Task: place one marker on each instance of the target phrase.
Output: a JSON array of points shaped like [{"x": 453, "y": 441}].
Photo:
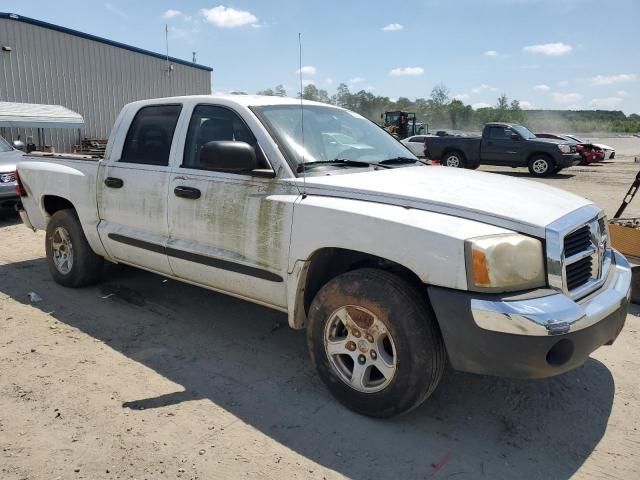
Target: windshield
[
  {"x": 524, "y": 132},
  {"x": 329, "y": 134},
  {"x": 575, "y": 138},
  {"x": 5, "y": 146}
]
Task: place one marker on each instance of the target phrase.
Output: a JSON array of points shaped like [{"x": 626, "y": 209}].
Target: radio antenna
[{"x": 304, "y": 170}]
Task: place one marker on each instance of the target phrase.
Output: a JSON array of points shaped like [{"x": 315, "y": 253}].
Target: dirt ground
[{"x": 142, "y": 377}]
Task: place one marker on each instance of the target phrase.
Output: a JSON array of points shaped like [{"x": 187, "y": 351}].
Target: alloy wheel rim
[
  {"x": 540, "y": 166},
  {"x": 62, "y": 250},
  {"x": 453, "y": 161},
  {"x": 360, "y": 349}
]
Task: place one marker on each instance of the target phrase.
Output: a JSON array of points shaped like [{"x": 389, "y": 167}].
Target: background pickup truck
[
  {"x": 504, "y": 144},
  {"x": 226, "y": 193}
]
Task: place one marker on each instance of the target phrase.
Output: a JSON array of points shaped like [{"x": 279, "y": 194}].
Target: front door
[
  {"x": 500, "y": 147},
  {"x": 229, "y": 231},
  {"x": 132, "y": 191}
]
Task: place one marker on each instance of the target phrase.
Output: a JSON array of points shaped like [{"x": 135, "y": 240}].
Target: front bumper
[
  {"x": 538, "y": 334},
  {"x": 566, "y": 160}
]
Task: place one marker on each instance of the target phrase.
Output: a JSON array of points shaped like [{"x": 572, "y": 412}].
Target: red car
[{"x": 589, "y": 152}]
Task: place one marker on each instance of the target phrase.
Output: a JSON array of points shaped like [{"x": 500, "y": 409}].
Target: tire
[
  {"x": 453, "y": 159},
  {"x": 541, "y": 166},
  {"x": 407, "y": 342},
  {"x": 82, "y": 266},
  {"x": 558, "y": 170}
]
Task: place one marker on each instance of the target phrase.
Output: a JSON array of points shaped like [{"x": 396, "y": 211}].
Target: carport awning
[{"x": 34, "y": 115}]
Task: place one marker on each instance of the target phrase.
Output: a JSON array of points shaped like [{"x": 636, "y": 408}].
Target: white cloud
[
  {"x": 171, "y": 13},
  {"x": 525, "y": 105},
  {"x": 176, "y": 33},
  {"x": 563, "y": 83},
  {"x": 608, "y": 102},
  {"x": 392, "y": 27},
  {"x": 306, "y": 82},
  {"x": 483, "y": 87},
  {"x": 307, "y": 70},
  {"x": 490, "y": 53},
  {"x": 611, "y": 79},
  {"x": 357, "y": 80},
  {"x": 542, "y": 87},
  {"x": 224, "y": 17},
  {"x": 461, "y": 96},
  {"x": 407, "y": 71},
  {"x": 369, "y": 88},
  {"x": 478, "y": 105},
  {"x": 329, "y": 81},
  {"x": 622, "y": 93},
  {"x": 555, "y": 49},
  {"x": 566, "y": 98}
]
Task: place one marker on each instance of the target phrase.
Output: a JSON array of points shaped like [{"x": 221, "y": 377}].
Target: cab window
[
  {"x": 211, "y": 123},
  {"x": 150, "y": 135}
]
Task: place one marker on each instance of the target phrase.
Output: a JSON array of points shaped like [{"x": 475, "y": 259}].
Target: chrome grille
[
  {"x": 577, "y": 256},
  {"x": 7, "y": 177}
]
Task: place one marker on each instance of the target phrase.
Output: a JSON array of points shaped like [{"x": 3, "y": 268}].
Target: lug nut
[
  {"x": 351, "y": 346},
  {"x": 369, "y": 338},
  {"x": 374, "y": 355},
  {"x": 356, "y": 333},
  {"x": 361, "y": 359}
]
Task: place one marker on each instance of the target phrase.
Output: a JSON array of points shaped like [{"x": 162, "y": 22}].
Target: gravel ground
[{"x": 142, "y": 377}]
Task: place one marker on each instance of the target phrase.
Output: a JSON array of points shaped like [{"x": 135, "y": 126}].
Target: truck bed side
[
  {"x": 439, "y": 146},
  {"x": 57, "y": 182}
]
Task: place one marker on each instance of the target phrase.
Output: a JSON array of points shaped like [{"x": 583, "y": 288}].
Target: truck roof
[
  {"x": 244, "y": 100},
  {"x": 500, "y": 124}
]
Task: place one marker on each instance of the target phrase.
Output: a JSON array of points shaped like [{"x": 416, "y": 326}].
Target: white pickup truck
[{"x": 394, "y": 268}]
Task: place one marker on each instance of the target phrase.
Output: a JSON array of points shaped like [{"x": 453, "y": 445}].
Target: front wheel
[
  {"x": 375, "y": 342},
  {"x": 541, "y": 166},
  {"x": 453, "y": 159},
  {"x": 71, "y": 261}
]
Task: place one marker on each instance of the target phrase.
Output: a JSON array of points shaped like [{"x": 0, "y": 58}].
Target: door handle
[
  {"x": 187, "y": 192},
  {"x": 113, "y": 182}
]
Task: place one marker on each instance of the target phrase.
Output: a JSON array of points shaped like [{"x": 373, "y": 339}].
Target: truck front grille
[{"x": 583, "y": 257}]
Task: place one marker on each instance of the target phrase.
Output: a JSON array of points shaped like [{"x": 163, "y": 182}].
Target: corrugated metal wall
[{"x": 92, "y": 78}]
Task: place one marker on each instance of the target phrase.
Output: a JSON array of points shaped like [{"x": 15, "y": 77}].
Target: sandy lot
[{"x": 142, "y": 377}]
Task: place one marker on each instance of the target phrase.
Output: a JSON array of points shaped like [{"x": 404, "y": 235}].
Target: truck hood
[{"x": 499, "y": 200}]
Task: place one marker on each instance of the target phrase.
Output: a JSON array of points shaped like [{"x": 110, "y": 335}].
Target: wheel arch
[
  {"x": 327, "y": 263},
  {"x": 53, "y": 203}
]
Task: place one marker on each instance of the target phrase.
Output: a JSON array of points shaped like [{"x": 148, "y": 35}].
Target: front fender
[{"x": 429, "y": 244}]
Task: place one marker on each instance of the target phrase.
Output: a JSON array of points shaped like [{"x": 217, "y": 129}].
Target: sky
[{"x": 559, "y": 54}]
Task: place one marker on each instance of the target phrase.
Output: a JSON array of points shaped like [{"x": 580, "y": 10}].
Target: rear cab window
[{"x": 150, "y": 135}]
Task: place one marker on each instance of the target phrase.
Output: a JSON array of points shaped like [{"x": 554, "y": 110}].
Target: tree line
[{"x": 441, "y": 111}]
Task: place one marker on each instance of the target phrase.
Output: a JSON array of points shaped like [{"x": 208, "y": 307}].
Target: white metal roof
[{"x": 34, "y": 115}]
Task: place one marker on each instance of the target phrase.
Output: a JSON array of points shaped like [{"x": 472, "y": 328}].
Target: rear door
[
  {"x": 133, "y": 187},
  {"x": 229, "y": 231},
  {"x": 416, "y": 145},
  {"x": 499, "y": 147}
]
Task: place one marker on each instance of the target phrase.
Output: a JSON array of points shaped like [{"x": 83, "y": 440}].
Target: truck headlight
[
  {"x": 504, "y": 263},
  {"x": 564, "y": 148}
]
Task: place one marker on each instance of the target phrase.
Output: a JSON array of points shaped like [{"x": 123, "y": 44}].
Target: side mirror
[
  {"x": 228, "y": 156},
  {"x": 515, "y": 136}
]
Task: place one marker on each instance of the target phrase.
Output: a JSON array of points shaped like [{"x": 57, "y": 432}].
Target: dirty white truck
[{"x": 394, "y": 268}]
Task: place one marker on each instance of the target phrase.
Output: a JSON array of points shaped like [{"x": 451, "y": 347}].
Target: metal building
[{"x": 48, "y": 64}]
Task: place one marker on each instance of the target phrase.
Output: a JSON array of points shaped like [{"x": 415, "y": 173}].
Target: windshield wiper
[
  {"x": 399, "y": 161},
  {"x": 342, "y": 162}
]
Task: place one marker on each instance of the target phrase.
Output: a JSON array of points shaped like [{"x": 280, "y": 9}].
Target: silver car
[
  {"x": 415, "y": 144},
  {"x": 9, "y": 156}
]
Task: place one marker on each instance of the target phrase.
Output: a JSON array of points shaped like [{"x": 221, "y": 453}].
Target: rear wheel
[
  {"x": 454, "y": 159},
  {"x": 71, "y": 261},
  {"x": 375, "y": 342},
  {"x": 541, "y": 166}
]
